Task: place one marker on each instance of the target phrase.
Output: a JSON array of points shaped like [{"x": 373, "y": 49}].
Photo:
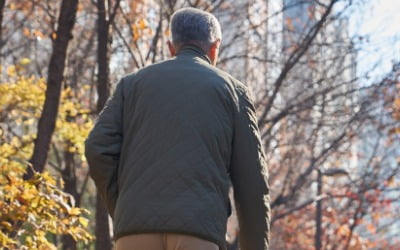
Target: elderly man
[{"x": 169, "y": 142}]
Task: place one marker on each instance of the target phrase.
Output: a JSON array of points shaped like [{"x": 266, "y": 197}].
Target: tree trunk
[
  {"x": 103, "y": 86},
  {"x": 2, "y": 4},
  {"x": 55, "y": 78},
  {"x": 68, "y": 242},
  {"x": 102, "y": 231},
  {"x": 69, "y": 178}
]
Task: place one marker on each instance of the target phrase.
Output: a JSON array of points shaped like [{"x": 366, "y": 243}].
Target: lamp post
[{"x": 333, "y": 172}]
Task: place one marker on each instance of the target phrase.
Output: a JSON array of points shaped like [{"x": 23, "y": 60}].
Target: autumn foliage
[{"x": 33, "y": 210}]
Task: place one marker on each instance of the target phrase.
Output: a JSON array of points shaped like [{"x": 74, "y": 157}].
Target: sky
[{"x": 379, "y": 22}]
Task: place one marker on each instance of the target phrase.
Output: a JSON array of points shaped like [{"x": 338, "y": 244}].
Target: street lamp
[{"x": 333, "y": 172}]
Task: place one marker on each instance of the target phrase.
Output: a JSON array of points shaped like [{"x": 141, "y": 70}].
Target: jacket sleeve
[
  {"x": 249, "y": 174},
  {"x": 103, "y": 147}
]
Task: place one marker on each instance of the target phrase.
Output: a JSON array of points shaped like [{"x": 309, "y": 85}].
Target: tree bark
[
  {"x": 68, "y": 242},
  {"x": 103, "y": 86},
  {"x": 69, "y": 178},
  {"x": 55, "y": 78},
  {"x": 102, "y": 230},
  {"x": 2, "y": 4}
]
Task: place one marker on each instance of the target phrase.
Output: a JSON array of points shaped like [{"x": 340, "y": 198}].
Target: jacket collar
[{"x": 192, "y": 50}]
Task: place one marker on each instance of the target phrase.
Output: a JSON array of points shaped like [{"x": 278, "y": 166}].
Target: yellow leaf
[
  {"x": 24, "y": 61},
  {"x": 11, "y": 70},
  {"x": 65, "y": 221},
  {"x": 7, "y": 225},
  {"x": 61, "y": 183},
  {"x": 135, "y": 33},
  {"x": 74, "y": 211},
  {"x": 29, "y": 194},
  {"x": 72, "y": 149},
  {"x": 48, "y": 178},
  {"x": 84, "y": 222}
]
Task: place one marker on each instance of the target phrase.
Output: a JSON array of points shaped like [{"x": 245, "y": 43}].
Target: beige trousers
[{"x": 163, "y": 241}]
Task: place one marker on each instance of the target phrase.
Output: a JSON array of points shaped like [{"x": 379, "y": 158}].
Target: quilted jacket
[{"x": 167, "y": 145}]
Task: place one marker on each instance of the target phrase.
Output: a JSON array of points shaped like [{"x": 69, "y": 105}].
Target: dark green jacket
[{"x": 165, "y": 147}]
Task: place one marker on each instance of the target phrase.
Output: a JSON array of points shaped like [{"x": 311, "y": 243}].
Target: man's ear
[
  {"x": 171, "y": 48},
  {"x": 214, "y": 51}
]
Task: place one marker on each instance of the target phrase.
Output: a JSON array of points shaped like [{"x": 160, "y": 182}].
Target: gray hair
[{"x": 196, "y": 27}]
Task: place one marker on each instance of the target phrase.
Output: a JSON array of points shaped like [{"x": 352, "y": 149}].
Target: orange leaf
[
  {"x": 289, "y": 24},
  {"x": 371, "y": 228},
  {"x": 142, "y": 24},
  {"x": 343, "y": 230},
  {"x": 38, "y": 33},
  {"x": 376, "y": 216},
  {"x": 26, "y": 32}
]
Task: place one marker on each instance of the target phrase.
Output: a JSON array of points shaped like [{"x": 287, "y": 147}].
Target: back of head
[{"x": 190, "y": 26}]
